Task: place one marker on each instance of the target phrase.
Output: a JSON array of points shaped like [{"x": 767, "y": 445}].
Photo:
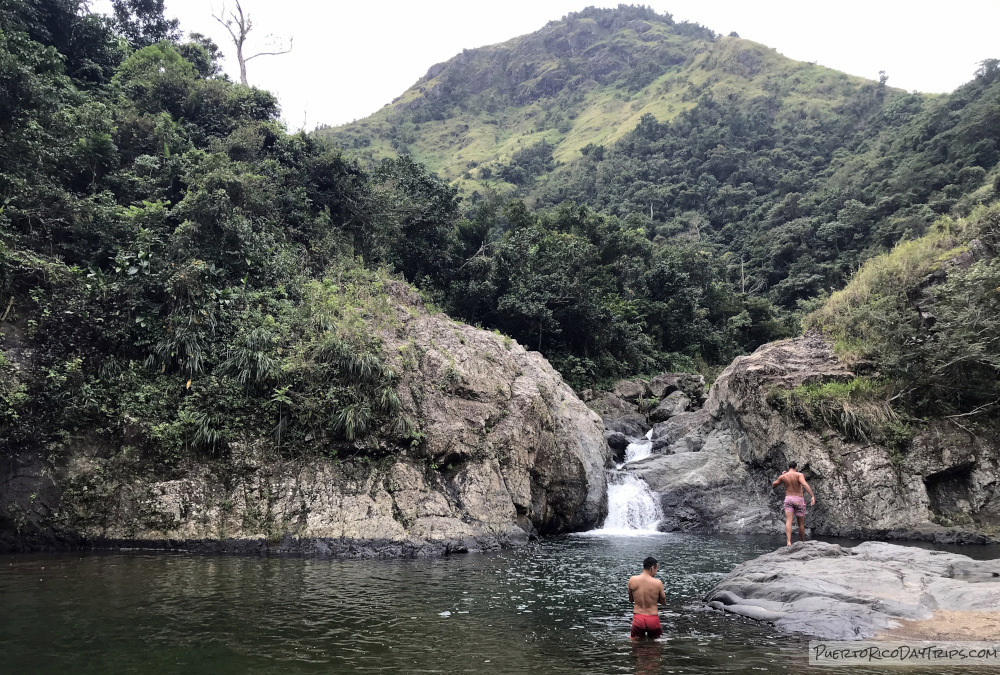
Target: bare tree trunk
[
  {"x": 239, "y": 26},
  {"x": 243, "y": 65}
]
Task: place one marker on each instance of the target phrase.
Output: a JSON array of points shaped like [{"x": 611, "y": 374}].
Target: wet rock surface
[{"x": 832, "y": 592}]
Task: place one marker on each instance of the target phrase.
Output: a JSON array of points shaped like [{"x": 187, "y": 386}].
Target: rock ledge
[{"x": 834, "y": 592}]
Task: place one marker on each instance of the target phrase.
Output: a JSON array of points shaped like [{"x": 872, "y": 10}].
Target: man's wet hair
[
  {"x": 649, "y": 563},
  {"x": 792, "y": 465}
]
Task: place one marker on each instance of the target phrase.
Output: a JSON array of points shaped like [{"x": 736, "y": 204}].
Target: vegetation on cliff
[
  {"x": 920, "y": 328},
  {"x": 179, "y": 274},
  {"x": 925, "y": 319}
]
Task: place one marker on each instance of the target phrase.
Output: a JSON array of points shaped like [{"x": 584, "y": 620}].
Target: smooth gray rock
[
  {"x": 630, "y": 390},
  {"x": 674, "y": 404},
  {"x": 832, "y": 592}
]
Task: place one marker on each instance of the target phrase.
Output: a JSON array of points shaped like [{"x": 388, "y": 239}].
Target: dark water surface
[{"x": 558, "y": 606}]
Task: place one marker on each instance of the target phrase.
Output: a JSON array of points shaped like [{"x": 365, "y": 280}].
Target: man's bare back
[
  {"x": 793, "y": 481},
  {"x": 645, "y": 592}
]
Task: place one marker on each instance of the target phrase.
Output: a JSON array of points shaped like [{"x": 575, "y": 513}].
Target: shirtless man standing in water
[
  {"x": 645, "y": 591},
  {"x": 795, "y": 503}
]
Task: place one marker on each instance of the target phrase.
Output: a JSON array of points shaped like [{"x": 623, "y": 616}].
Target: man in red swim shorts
[
  {"x": 645, "y": 592},
  {"x": 795, "y": 503}
]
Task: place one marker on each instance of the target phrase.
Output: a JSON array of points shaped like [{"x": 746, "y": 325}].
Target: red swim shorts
[{"x": 646, "y": 625}]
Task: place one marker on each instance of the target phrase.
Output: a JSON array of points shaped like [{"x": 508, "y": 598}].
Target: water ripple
[{"x": 559, "y": 606}]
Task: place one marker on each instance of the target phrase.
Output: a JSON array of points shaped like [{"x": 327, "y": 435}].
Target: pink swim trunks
[{"x": 795, "y": 504}]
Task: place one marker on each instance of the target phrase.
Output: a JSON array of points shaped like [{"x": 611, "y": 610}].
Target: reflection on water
[{"x": 557, "y": 606}]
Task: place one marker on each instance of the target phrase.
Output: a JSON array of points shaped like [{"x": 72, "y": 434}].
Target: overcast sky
[{"x": 351, "y": 57}]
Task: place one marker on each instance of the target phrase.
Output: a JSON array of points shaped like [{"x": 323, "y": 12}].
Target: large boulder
[
  {"x": 508, "y": 451},
  {"x": 692, "y": 384},
  {"x": 630, "y": 390},
  {"x": 634, "y": 427},
  {"x": 674, "y": 404},
  {"x": 832, "y": 592},
  {"x": 681, "y": 433},
  {"x": 619, "y": 415}
]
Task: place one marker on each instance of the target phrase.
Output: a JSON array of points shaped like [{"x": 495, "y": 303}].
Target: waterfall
[
  {"x": 632, "y": 506},
  {"x": 637, "y": 450},
  {"x": 633, "y": 509}
]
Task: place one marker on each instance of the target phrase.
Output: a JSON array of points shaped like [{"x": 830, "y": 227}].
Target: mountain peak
[{"x": 583, "y": 80}]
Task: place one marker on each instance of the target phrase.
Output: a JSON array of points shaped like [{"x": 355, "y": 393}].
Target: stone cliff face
[
  {"x": 944, "y": 487},
  {"x": 508, "y": 451}
]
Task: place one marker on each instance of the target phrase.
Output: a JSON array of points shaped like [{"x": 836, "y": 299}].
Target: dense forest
[
  {"x": 179, "y": 273},
  {"x": 692, "y": 195}
]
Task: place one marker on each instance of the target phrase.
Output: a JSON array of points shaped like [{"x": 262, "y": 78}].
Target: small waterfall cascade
[
  {"x": 637, "y": 450},
  {"x": 632, "y": 507}
]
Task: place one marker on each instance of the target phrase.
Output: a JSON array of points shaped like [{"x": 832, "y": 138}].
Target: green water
[{"x": 558, "y": 606}]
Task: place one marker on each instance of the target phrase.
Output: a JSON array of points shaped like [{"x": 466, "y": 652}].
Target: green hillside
[
  {"x": 587, "y": 79},
  {"x": 180, "y": 274},
  {"x": 787, "y": 175}
]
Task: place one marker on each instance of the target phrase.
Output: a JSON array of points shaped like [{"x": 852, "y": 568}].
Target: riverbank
[{"x": 873, "y": 590}]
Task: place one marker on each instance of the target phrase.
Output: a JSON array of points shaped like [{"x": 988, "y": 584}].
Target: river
[{"x": 556, "y": 606}]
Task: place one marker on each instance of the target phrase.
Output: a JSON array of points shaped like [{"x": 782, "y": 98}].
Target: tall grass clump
[{"x": 858, "y": 409}]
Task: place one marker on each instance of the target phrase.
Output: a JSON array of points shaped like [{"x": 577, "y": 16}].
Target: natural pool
[{"x": 557, "y": 606}]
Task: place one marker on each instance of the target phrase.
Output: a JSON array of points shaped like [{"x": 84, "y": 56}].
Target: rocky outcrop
[
  {"x": 674, "y": 404},
  {"x": 945, "y": 487},
  {"x": 619, "y": 415},
  {"x": 508, "y": 451},
  {"x": 633, "y": 406},
  {"x": 863, "y": 488},
  {"x": 630, "y": 390},
  {"x": 833, "y": 592},
  {"x": 680, "y": 433},
  {"x": 692, "y": 385}
]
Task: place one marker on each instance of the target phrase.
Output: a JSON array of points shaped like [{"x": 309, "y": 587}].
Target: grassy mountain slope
[
  {"x": 584, "y": 80},
  {"x": 792, "y": 173}
]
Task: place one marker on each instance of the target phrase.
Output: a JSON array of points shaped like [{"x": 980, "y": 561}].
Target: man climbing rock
[
  {"x": 645, "y": 592},
  {"x": 795, "y": 503}
]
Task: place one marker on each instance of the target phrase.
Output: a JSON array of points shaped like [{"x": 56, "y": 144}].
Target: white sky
[{"x": 351, "y": 57}]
